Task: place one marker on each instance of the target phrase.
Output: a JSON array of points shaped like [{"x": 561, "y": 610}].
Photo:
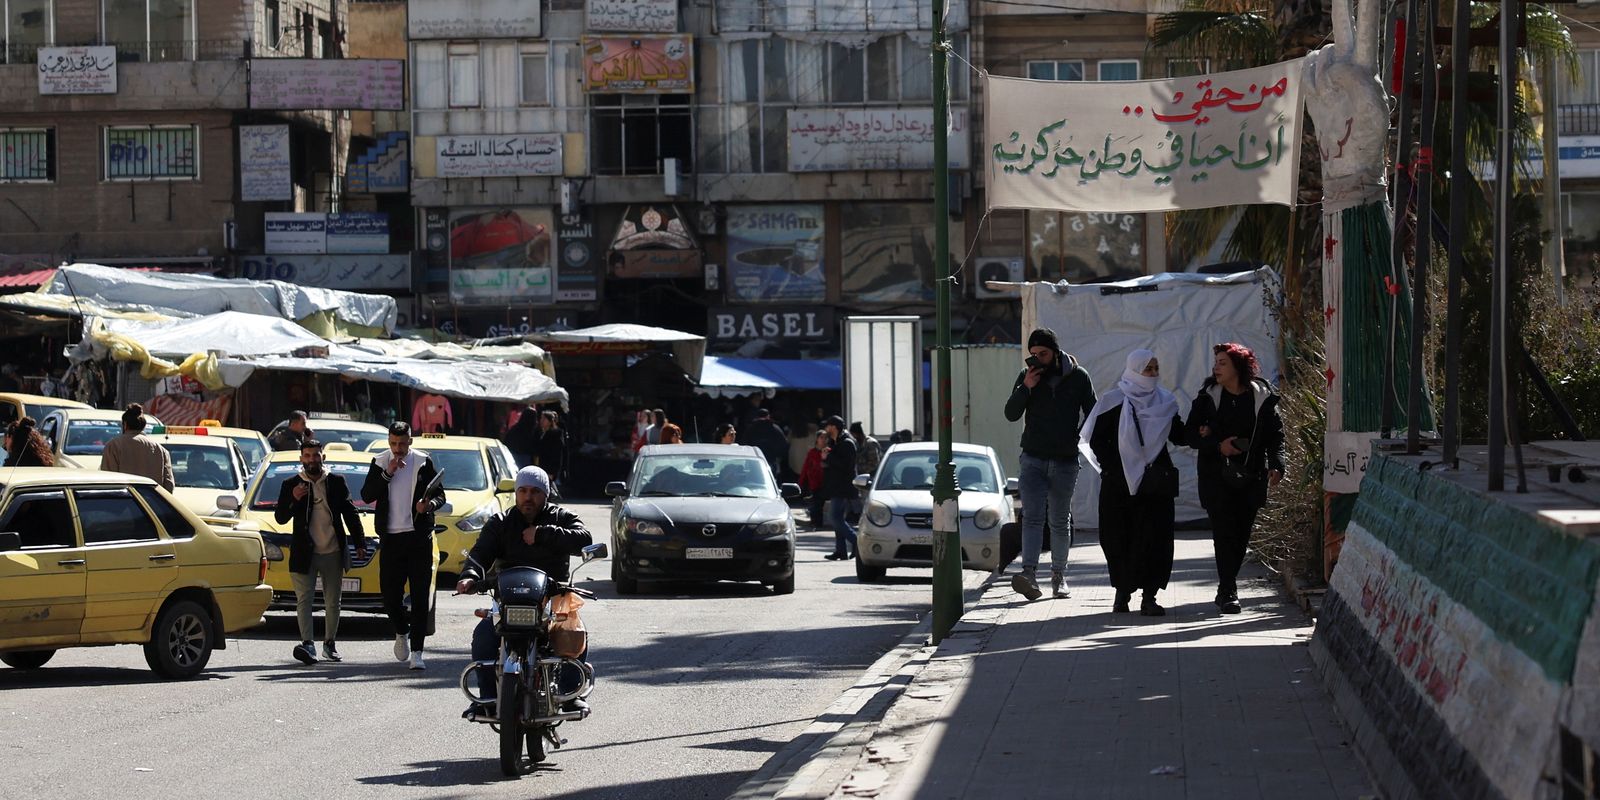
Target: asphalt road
[{"x": 697, "y": 687}]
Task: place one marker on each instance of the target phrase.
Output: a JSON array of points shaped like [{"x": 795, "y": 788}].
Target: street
[{"x": 696, "y": 687}]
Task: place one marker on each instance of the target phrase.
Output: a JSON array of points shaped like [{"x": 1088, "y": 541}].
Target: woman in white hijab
[{"x": 1125, "y": 439}]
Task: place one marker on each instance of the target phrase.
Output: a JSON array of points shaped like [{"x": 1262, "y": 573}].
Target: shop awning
[
  {"x": 687, "y": 348},
  {"x": 731, "y": 377}
]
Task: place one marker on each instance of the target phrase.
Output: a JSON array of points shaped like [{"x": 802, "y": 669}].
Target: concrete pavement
[{"x": 1064, "y": 699}]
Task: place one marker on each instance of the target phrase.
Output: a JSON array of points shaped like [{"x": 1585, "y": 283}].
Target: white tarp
[
  {"x": 471, "y": 380},
  {"x": 687, "y": 348},
  {"x": 1179, "y": 316},
  {"x": 231, "y": 333},
  {"x": 1231, "y": 138},
  {"x": 519, "y": 353},
  {"x": 182, "y": 295}
]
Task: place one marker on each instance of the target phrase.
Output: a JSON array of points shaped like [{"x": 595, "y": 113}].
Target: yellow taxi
[
  {"x": 95, "y": 558},
  {"x": 78, "y": 436},
  {"x": 479, "y": 477},
  {"x": 15, "y": 406},
  {"x": 252, "y": 443},
  {"x": 208, "y": 472},
  {"x": 360, "y": 588}
]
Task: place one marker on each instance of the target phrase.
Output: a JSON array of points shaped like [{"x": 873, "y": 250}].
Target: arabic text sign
[
  {"x": 289, "y": 232},
  {"x": 358, "y": 232},
  {"x": 639, "y": 64},
  {"x": 361, "y": 272},
  {"x": 1198, "y": 142},
  {"x": 496, "y": 156},
  {"x": 775, "y": 252},
  {"x": 506, "y": 285},
  {"x": 659, "y": 16},
  {"x": 328, "y": 83},
  {"x": 264, "y": 163},
  {"x": 473, "y": 19},
  {"x": 78, "y": 70},
  {"x": 833, "y": 139}
]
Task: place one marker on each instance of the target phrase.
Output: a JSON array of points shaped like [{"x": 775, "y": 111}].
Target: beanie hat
[
  {"x": 533, "y": 477},
  {"x": 1043, "y": 337}
]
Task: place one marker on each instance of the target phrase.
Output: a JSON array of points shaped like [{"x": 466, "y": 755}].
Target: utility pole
[{"x": 946, "y": 516}]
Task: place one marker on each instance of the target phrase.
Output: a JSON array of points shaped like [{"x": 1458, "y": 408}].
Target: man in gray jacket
[{"x": 137, "y": 454}]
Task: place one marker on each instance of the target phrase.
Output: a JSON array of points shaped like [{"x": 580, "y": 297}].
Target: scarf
[{"x": 1143, "y": 403}]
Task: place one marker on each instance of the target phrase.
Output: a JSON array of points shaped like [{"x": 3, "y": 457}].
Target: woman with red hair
[
  {"x": 25, "y": 446},
  {"x": 1235, "y": 427}
]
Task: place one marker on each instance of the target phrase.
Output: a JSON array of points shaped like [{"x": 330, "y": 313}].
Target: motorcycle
[{"x": 527, "y": 672}]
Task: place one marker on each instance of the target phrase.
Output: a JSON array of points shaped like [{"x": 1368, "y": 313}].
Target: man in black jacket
[
  {"x": 404, "y": 484},
  {"x": 319, "y": 503},
  {"x": 1055, "y": 394},
  {"x": 765, "y": 435},
  {"x": 838, "y": 485},
  {"x": 535, "y": 533}
]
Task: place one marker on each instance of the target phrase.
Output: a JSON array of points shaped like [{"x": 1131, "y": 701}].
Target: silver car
[{"x": 897, "y": 524}]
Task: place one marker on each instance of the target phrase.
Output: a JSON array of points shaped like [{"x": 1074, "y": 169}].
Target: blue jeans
[
  {"x": 844, "y": 534},
  {"x": 1047, "y": 485},
  {"x": 486, "y": 647}
]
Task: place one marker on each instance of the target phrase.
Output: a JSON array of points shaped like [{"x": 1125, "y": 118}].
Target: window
[
  {"x": 324, "y": 39},
  {"x": 633, "y": 133},
  {"x": 1055, "y": 70},
  {"x": 28, "y": 24},
  {"x": 43, "y": 519},
  {"x": 112, "y": 515},
  {"x": 1586, "y": 88},
  {"x": 27, "y": 154},
  {"x": 177, "y": 525},
  {"x": 1121, "y": 70},
  {"x": 463, "y": 76},
  {"x": 1085, "y": 247},
  {"x": 150, "y": 30},
  {"x": 1186, "y": 67},
  {"x": 273, "y": 22},
  {"x": 535, "y": 88},
  {"x": 203, "y": 467},
  {"x": 152, "y": 152}
]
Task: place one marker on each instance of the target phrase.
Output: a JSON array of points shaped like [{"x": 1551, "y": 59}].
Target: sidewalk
[{"x": 1062, "y": 698}]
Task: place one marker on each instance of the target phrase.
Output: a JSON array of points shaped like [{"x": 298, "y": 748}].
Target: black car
[{"x": 707, "y": 512}]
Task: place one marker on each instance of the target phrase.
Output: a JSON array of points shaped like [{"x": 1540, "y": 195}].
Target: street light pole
[{"x": 946, "y": 516}]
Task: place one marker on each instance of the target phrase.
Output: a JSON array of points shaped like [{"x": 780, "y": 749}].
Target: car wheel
[
  {"x": 26, "y": 659},
  {"x": 625, "y": 584},
  {"x": 181, "y": 641},
  {"x": 785, "y": 586},
  {"x": 867, "y": 574}
]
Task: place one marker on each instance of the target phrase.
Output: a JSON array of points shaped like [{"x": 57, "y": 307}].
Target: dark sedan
[{"x": 707, "y": 512}]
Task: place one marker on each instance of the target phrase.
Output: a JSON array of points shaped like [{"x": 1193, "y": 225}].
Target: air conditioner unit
[{"x": 995, "y": 269}]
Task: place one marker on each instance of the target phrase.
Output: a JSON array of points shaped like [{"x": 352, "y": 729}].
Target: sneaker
[
  {"x": 1024, "y": 585},
  {"x": 416, "y": 660},
  {"x": 402, "y": 647},
  {"x": 1058, "y": 585},
  {"x": 1230, "y": 607},
  {"x": 330, "y": 653},
  {"x": 304, "y": 654}
]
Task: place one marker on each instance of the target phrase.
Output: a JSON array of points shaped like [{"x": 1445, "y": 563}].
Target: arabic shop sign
[
  {"x": 473, "y": 19},
  {"x": 365, "y": 273},
  {"x": 317, "y": 233},
  {"x": 1231, "y": 138},
  {"x": 289, "y": 232},
  {"x": 328, "y": 83},
  {"x": 775, "y": 253},
  {"x": 659, "y": 16},
  {"x": 639, "y": 64},
  {"x": 503, "y": 256},
  {"x": 498, "y": 156},
  {"x": 835, "y": 139},
  {"x": 78, "y": 70},
  {"x": 264, "y": 163}
]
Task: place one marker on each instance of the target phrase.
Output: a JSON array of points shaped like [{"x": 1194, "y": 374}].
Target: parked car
[
  {"x": 96, "y": 558},
  {"x": 701, "y": 512},
  {"x": 15, "y": 406},
  {"x": 208, "y": 472},
  {"x": 78, "y": 436},
  {"x": 897, "y": 520}
]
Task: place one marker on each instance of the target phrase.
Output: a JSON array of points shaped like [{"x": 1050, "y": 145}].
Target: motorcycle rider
[{"x": 534, "y": 533}]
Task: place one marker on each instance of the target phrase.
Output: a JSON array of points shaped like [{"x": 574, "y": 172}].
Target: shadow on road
[{"x": 463, "y": 773}]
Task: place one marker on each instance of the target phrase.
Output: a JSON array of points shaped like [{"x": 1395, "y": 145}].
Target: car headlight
[
  {"x": 274, "y": 552},
  {"x": 879, "y": 514},
  {"x": 478, "y": 518},
  {"x": 644, "y": 527},
  {"x": 773, "y": 527},
  {"x": 986, "y": 518}
]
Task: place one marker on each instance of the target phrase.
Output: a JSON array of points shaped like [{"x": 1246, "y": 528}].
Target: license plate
[
  {"x": 923, "y": 539},
  {"x": 345, "y": 585},
  {"x": 708, "y": 552}
]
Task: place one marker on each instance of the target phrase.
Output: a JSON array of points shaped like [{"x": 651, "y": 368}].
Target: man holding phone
[
  {"x": 404, "y": 485},
  {"x": 1054, "y": 393}
]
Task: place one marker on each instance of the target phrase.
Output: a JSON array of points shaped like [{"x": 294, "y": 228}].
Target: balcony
[
  {"x": 1578, "y": 120},
  {"x": 151, "y": 76}
]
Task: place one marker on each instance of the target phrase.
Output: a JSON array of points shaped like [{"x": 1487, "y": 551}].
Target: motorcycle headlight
[
  {"x": 773, "y": 528},
  {"x": 519, "y": 616},
  {"x": 644, "y": 527},
  {"x": 986, "y": 518},
  {"x": 274, "y": 552},
  {"x": 879, "y": 514},
  {"x": 478, "y": 518}
]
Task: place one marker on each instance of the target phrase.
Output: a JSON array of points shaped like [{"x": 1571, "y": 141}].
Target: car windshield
[
  {"x": 463, "y": 469},
  {"x": 914, "y": 470},
  {"x": 201, "y": 466},
  {"x": 254, "y": 451},
  {"x": 358, "y": 440},
  {"x": 270, "y": 482},
  {"x": 702, "y": 476},
  {"x": 88, "y": 437}
]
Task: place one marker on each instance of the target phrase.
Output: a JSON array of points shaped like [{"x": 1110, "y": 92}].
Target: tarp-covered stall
[{"x": 688, "y": 350}]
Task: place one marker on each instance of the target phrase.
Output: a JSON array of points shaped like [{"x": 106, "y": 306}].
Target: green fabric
[{"x": 1367, "y": 310}]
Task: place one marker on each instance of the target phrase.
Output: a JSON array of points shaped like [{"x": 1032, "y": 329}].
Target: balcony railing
[
  {"x": 144, "y": 51},
  {"x": 1578, "y": 120}
]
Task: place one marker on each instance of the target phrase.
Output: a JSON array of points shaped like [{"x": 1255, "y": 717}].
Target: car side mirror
[
  {"x": 227, "y": 502},
  {"x": 863, "y": 481},
  {"x": 616, "y": 489},
  {"x": 1013, "y": 486},
  {"x": 789, "y": 490},
  {"x": 506, "y": 486},
  {"x": 595, "y": 551},
  {"x": 10, "y": 541}
]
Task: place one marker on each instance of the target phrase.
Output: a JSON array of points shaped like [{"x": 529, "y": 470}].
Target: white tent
[
  {"x": 471, "y": 380},
  {"x": 688, "y": 349},
  {"x": 230, "y": 333},
  {"x": 1179, "y": 316}
]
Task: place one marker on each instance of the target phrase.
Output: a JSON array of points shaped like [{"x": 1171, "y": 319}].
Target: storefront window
[
  {"x": 1085, "y": 247},
  {"x": 886, "y": 252}
]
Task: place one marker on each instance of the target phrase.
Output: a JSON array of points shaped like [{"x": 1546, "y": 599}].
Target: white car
[{"x": 897, "y": 525}]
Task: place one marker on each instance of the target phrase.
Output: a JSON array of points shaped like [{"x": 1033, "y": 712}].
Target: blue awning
[{"x": 730, "y": 377}]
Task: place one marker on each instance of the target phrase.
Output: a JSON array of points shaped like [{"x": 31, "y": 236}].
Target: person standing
[
  {"x": 1126, "y": 439},
  {"x": 671, "y": 434},
  {"x": 522, "y": 438},
  {"x": 552, "y": 449},
  {"x": 838, "y": 485},
  {"x": 811, "y": 479},
  {"x": 1235, "y": 427},
  {"x": 725, "y": 434},
  {"x": 25, "y": 446},
  {"x": 137, "y": 454},
  {"x": 1051, "y": 392},
  {"x": 290, "y": 433},
  {"x": 324, "y": 521},
  {"x": 765, "y": 435},
  {"x": 869, "y": 453},
  {"x": 403, "y": 484}
]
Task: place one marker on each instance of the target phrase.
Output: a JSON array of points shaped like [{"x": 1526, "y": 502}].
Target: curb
[{"x": 814, "y": 764}]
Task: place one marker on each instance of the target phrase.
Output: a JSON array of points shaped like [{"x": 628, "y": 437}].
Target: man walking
[
  {"x": 290, "y": 434},
  {"x": 765, "y": 435},
  {"x": 552, "y": 450},
  {"x": 838, "y": 482},
  {"x": 522, "y": 438},
  {"x": 404, "y": 484},
  {"x": 319, "y": 503},
  {"x": 137, "y": 454},
  {"x": 1054, "y": 392},
  {"x": 868, "y": 455}
]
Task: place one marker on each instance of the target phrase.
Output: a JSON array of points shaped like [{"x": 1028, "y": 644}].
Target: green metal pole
[{"x": 946, "y": 536}]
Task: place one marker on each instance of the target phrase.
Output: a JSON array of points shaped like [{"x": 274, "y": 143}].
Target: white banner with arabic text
[{"x": 1230, "y": 138}]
